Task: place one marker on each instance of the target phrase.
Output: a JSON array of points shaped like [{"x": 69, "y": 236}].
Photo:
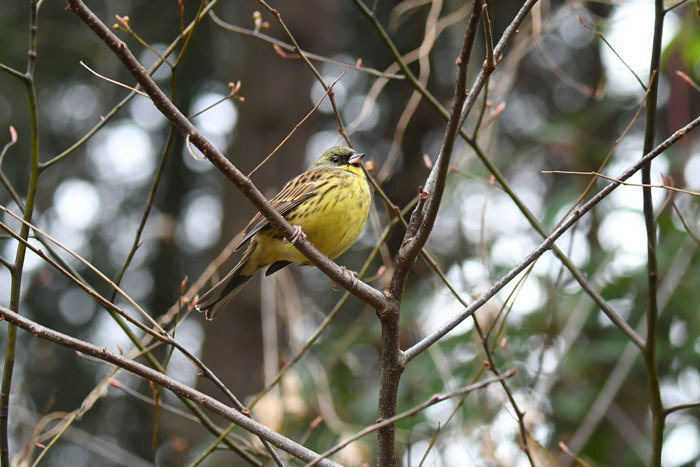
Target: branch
[
  {"x": 486, "y": 71},
  {"x": 366, "y": 293},
  {"x": 286, "y": 138},
  {"x": 290, "y": 48},
  {"x": 429, "y": 340},
  {"x": 16, "y": 283},
  {"x": 658, "y": 418},
  {"x": 419, "y": 228},
  {"x": 317, "y": 74},
  {"x": 423, "y": 220},
  {"x": 478, "y": 85},
  {"x": 675, "y": 408},
  {"x": 178, "y": 388},
  {"x": 412, "y": 413},
  {"x": 642, "y": 185}
]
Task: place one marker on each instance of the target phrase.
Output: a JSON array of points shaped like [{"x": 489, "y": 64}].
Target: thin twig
[
  {"x": 687, "y": 228},
  {"x": 9, "y": 144},
  {"x": 677, "y": 4},
  {"x": 150, "y": 401},
  {"x": 99, "y": 273},
  {"x": 410, "y": 57},
  {"x": 12, "y": 72},
  {"x": 619, "y": 139},
  {"x": 232, "y": 93},
  {"x": 123, "y": 23},
  {"x": 490, "y": 60},
  {"x": 300, "y": 52},
  {"x": 676, "y": 408},
  {"x": 688, "y": 80},
  {"x": 424, "y": 73},
  {"x": 109, "y": 80},
  {"x": 290, "y": 48},
  {"x": 147, "y": 209},
  {"x": 318, "y": 104},
  {"x": 604, "y": 39},
  {"x": 607, "y": 177},
  {"x": 106, "y": 118},
  {"x": 400, "y": 9}
]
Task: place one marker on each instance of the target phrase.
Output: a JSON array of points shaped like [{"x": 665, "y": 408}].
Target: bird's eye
[{"x": 335, "y": 159}]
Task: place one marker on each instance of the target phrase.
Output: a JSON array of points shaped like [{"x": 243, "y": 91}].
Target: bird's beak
[{"x": 356, "y": 158}]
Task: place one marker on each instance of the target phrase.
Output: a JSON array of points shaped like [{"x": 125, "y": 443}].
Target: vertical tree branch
[
  {"x": 655, "y": 402},
  {"x": 419, "y": 228},
  {"x": 8, "y": 368}
]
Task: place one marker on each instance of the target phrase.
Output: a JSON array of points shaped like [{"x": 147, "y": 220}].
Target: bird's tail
[{"x": 216, "y": 298}]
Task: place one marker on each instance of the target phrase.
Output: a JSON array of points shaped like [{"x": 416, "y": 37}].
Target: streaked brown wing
[{"x": 295, "y": 192}]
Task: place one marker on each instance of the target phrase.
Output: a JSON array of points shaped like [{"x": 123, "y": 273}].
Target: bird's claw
[{"x": 298, "y": 233}]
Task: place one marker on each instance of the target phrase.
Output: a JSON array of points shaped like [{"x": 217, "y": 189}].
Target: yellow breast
[{"x": 332, "y": 219}]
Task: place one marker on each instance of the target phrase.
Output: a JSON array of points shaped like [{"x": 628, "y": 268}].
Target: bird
[{"x": 328, "y": 204}]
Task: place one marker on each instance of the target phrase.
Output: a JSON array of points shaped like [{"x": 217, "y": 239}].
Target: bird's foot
[{"x": 298, "y": 233}]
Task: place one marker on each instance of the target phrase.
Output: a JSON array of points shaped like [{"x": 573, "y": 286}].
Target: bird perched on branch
[{"x": 328, "y": 204}]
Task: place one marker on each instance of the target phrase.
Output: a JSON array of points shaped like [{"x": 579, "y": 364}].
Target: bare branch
[
  {"x": 605, "y": 40},
  {"x": 412, "y": 413},
  {"x": 676, "y": 408},
  {"x": 427, "y": 341},
  {"x": 290, "y": 48},
  {"x": 145, "y": 372},
  {"x": 607, "y": 177},
  {"x": 115, "y": 82}
]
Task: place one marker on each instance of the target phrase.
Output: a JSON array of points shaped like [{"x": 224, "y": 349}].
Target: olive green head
[{"x": 339, "y": 156}]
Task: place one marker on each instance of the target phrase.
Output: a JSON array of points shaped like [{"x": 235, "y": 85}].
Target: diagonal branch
[
  {"x": 365, "y": 292},
  {"x": 175, "y": 386},
  {"x": 429, "y": 340}
]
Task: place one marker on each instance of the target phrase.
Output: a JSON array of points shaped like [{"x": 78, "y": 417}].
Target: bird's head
[{"x": 340, "y": 157}]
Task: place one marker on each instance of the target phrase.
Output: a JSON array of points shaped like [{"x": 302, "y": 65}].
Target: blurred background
[{"x": 558, "y": 101}]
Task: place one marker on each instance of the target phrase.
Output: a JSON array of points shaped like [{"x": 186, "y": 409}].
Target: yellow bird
[{"x": 328, "y": 204}]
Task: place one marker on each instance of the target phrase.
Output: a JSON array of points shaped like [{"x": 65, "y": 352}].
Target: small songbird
[{"x": 328, "y": 204}]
